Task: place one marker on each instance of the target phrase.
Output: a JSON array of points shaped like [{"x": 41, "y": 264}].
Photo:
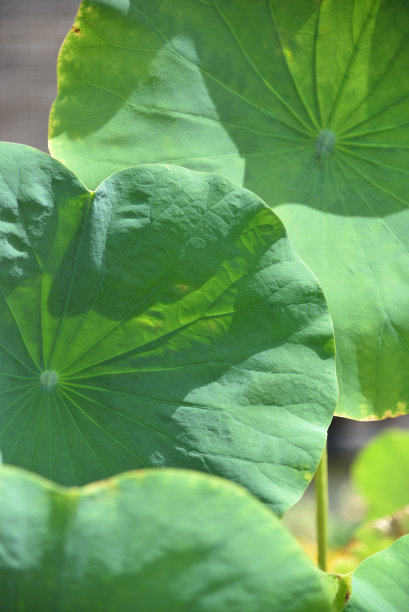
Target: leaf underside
[
  {"x": 163, "y": 320},
  {"x": 304, "y": 102}
]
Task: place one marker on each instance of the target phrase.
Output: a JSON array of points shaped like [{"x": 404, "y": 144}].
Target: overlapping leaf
[
  {"x": 304, "y": 102},
  {"x": 381, "y": 582},
  {"x": 163, "y": 320},
  {"x": 162, "y": 540}
]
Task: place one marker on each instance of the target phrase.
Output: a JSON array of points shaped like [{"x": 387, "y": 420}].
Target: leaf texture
[
  {"x": 162, "y": 320},
  {"x": 306, "y": 103}
]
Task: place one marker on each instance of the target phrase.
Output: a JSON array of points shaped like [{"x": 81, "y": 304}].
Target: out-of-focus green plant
[{"x": 381, "y": 473}]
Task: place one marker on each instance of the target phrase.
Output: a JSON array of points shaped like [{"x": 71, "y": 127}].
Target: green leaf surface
[
  {"x": 163, "y": 320},
  {"x": 381, "y": 583},
  {"x": 381, "y": 473},
  {"x": 306, "y": 103},
  {"x": 152, "y": 541}
]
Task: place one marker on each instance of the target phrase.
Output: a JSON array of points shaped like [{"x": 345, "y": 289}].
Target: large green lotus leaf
[
  {"x": 381, "y": 583},
  {"x": 305, "y": 102},
  {"x": 381, "y": 473},
  {"x": 163, "y": 320},
  {"x": 152, "y": 541}
]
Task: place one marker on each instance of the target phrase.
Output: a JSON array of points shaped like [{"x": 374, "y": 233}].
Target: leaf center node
[
  {"x": 325, "y": 143},
  {"x": 49, "y": 378}
]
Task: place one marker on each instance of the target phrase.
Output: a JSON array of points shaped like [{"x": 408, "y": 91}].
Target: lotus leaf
[
  {"x": 162, "y": 320},
  {"x": 380, "y": 583},
  {"x": 304, "y": 102},
  {"x": 153, "y": 540}
]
